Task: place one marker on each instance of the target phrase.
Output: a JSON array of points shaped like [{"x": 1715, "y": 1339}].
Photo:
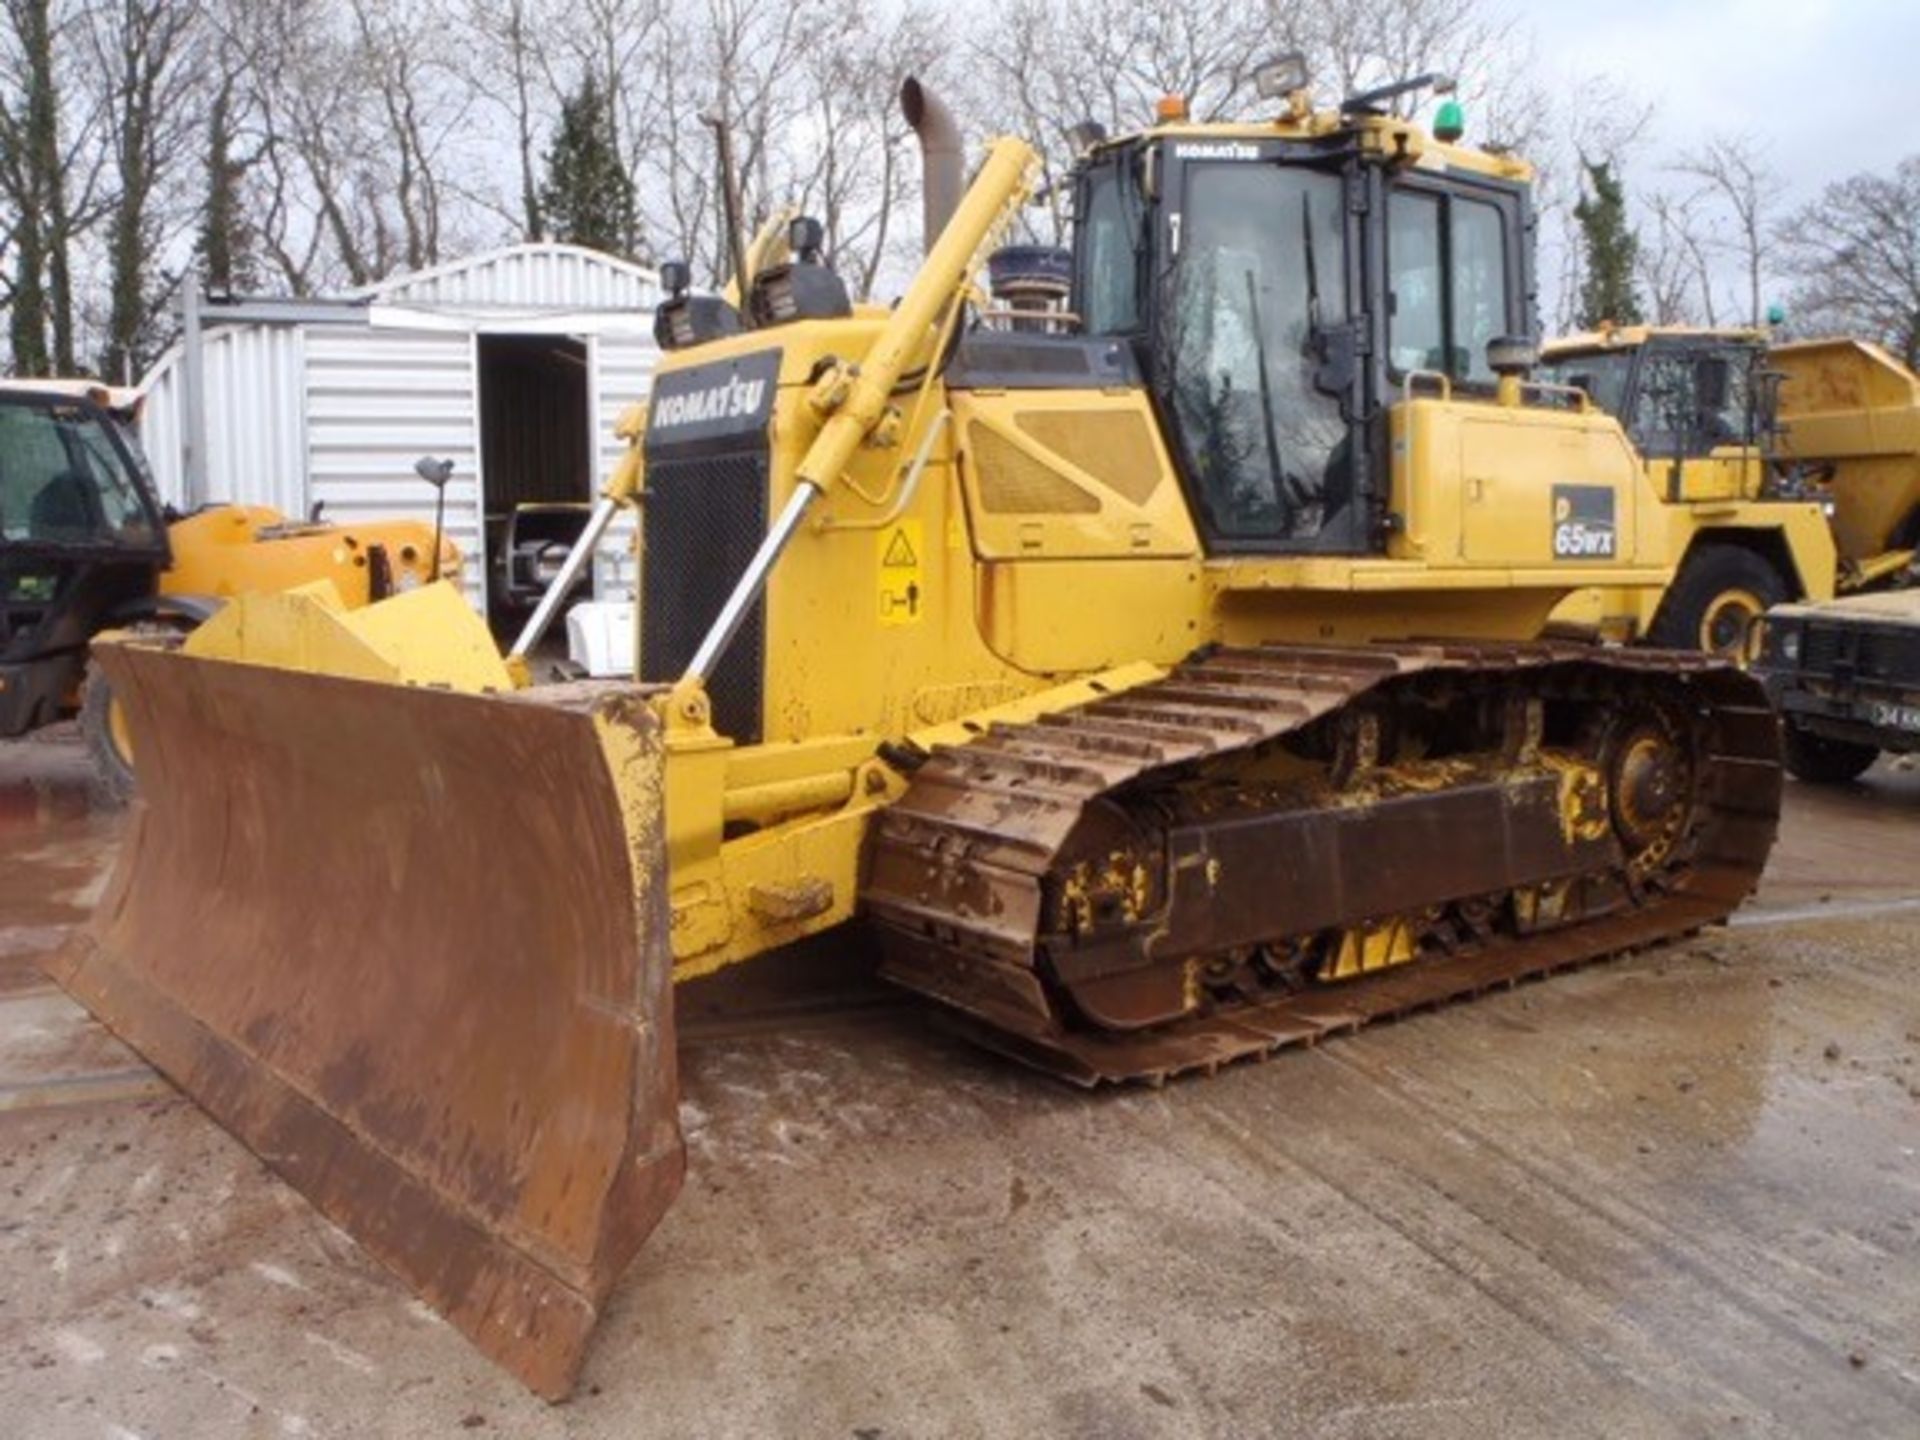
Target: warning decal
[{"x": 901, "y": 595}]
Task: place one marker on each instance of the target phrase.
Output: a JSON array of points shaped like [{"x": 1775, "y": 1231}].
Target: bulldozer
[
  {"x": 87, "y": 546},
  {"x": 1156, "y": 677},
  {"x": 1740, "y": 433}
]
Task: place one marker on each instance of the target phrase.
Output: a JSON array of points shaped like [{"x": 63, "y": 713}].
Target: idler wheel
[{"x": 1649, "y": 785}]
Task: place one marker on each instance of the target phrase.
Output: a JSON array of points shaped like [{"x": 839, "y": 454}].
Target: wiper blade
[
  {"x": 1275, "y": 475},
  {"x": 1313, "y": 268}
]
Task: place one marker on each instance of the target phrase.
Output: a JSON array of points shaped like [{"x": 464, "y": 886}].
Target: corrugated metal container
[
  {"x": 337, "y": 413},
  {"x": 372, "y": 410},
  {"x": 256, "y": 437}
]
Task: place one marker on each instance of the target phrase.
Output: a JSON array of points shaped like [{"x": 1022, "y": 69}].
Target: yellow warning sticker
[{"x": 902, "y": 597}]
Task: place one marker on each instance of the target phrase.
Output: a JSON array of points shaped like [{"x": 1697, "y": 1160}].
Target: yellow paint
[
  {"x": 227, "y": 550},
  {"x": 1372, "y": 947},
  {"x": 1046, "y": 557},
  {"x": 428, "y": 636}
]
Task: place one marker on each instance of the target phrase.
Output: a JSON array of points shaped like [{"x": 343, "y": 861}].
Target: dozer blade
[{"x": 411, "y": 947}]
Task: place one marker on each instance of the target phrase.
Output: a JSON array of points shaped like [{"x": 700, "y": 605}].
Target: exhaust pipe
[{"x": 940, "y": 157}]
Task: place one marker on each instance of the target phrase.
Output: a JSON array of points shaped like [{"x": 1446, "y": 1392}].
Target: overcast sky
[{"x": 1830, "y": 85}]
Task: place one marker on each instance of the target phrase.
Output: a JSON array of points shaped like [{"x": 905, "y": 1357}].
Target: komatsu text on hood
[{"x": 726, "y": 398}]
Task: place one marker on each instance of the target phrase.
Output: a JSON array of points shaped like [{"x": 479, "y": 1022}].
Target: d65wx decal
[{"x": 1583, "y": 526}]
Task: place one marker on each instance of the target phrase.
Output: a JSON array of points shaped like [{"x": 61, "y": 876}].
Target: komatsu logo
[
  {"x": 1583, "y": 527},
  {"x": 1217, "y": 150},
  {"x": 728, "y": 400}
]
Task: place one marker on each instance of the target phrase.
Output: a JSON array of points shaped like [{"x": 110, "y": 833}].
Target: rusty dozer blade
[{"x": 410, "y": 946}]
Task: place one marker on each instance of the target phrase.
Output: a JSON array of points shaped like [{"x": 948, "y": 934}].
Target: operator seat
[{"x": 65, "y": 509}]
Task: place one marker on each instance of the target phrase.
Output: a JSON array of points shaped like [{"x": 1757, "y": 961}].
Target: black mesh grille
[
  {"x": 1889, "y": 653},
  {"x": 704, "y": 519},
  {"x": 1819, "y": 648}
]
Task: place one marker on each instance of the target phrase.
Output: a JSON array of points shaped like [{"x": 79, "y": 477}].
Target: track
[{"x": 975, "y": 875}]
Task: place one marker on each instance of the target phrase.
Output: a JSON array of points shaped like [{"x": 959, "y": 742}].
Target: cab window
[
  {"x": 1672, "y": 415},
  {"x": 1447, "y": 277},
  {"x": 1110, "y": 250},
  {"x": 1261, "y": 271},
  {"x": 64, "y": 482}
]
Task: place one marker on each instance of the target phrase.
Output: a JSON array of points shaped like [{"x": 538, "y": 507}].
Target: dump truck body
[
  {"x": 1850, "y": 413},
  {"x": 1061, "y": 654}
]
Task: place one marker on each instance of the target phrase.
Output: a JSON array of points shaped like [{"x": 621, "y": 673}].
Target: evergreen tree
[
  {"x": 1612, "y": 250},
  {"x": 225, "y": 243},
  {"x": 588, "y": 195}
]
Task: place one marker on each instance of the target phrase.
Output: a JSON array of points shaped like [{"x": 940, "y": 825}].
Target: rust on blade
[{"x": 410, "y": 946}]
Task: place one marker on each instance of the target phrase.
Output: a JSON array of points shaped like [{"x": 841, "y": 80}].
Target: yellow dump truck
[
  {"x": 1156, "y": 679},
  {"x": 1738, "y": 434}
]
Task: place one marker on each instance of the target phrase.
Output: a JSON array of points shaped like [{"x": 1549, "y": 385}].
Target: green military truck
[{"x": 1846, "y": 676}]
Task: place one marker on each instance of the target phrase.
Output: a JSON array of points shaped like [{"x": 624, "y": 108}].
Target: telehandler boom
[{"x": 1157, "y": 679}]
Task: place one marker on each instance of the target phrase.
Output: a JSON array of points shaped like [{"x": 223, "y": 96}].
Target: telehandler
[
  {"x": 1157, "y": 682},
  {"x": 86, "y": 545}
]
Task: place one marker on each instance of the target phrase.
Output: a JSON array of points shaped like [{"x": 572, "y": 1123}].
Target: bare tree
[
  {"x": 38, "y": 187},
  {"x": 1854, "y": 258},
  {"x": 508, "y": 66},
  {"x": 1734, "y": 171},
  {"x": 1676, "y": 272},
  {"x": 145, "y": 54},
  {"x": 1040, "y": 67},
  {"x": 861, "y": 184}
]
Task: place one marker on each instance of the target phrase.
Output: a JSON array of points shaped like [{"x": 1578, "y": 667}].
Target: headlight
[
  {"x": 546, "y": 568},
  {"x": 1790, "y": 645}
]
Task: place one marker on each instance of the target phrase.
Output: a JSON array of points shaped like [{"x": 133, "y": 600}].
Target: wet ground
[{"x": 1675, "y": 1195}]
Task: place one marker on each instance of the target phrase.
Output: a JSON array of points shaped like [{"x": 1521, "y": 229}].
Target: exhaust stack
[{"x": 940, "y": 157}]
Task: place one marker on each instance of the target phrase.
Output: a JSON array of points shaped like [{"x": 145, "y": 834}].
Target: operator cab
[
  {"x": 1678, "y": 394},
  {"x": 81, "y": 535},
  {"x": 1281, "y": 284}
]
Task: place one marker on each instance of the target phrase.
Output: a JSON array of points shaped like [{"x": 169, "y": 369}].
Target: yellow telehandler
[
  {"x": 1154, "y": 674},
  {"x": 87, "y": 545}
]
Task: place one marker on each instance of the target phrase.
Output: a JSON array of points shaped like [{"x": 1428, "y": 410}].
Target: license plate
[{"x": 1895, "y": 717}]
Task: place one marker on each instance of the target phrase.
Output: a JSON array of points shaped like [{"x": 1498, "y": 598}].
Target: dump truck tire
[
  {"x": 410, "y": 946},
  {"x": 1822, "y": 760},
  {"x": 1720, "y": 591}
]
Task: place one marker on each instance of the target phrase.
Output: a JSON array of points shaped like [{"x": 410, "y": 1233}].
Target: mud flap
[{"x": 410, "y": 946}]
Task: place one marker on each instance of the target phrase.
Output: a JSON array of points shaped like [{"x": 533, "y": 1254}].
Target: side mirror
[{"x": 435, "y": 472}]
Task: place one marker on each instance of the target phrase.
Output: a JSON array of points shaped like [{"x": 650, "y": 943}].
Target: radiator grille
[
  {"x": 704, "y": 519},
  {"x": 1012, "y": 482},
  {"x": 1890, "y": 654},
  {"x": 1115, "y": 446}
]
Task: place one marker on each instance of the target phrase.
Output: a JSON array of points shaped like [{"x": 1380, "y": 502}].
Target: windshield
[
  {"x": 1261, "y": 265},
  {"x": 64, "y": 480},
  {"x": 1602, "y": 374}
]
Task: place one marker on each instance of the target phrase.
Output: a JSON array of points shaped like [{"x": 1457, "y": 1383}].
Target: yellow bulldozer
[
  {"x": 1737, "y": 433},
  {"x": 87, "y": 546},
  {"x": 1152, "y": 670}
]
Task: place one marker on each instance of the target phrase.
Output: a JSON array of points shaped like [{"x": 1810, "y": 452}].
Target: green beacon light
[{"x": 1449, "y": 121}]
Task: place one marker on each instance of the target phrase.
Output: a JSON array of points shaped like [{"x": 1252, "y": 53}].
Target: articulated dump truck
[
  {"x": 1738, "y": 435},
  {"x": 1156, "y": 678}
]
